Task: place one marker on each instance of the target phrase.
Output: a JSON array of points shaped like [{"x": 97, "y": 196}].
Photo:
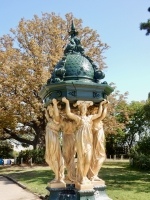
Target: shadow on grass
[
  {"x": 122, "y": 177},
  {"x": 35, "y": 176},
  {"x": 118, "y": 177}
]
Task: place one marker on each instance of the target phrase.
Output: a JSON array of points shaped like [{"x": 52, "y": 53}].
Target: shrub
[
  {"x": 140, "y": 154},
  {"x": 36, "y": 155},
  {"x": 15, "y": 154},
  {"x": 6, "y": 149},
  {"x": 141, "y": 161}
]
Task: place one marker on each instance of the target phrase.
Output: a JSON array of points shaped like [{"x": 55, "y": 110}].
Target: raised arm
[
  {"x": 99, "y": 110},
  {"x": 46, "y": 114},
  {"x": 56, "y": 111},
  {"x": 104, "y": 113},
  {"x": 68, "y": 112}
]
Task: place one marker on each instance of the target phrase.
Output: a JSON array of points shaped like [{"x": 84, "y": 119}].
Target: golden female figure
[
  {"x": 53, "y": 155},
  {"x": 68, "y": 147},
  {"x": 99, "y": 154},
  {"x": 84, "y": 137}
]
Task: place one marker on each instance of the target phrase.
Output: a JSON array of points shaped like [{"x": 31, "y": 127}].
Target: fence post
[
  {"x": 21, "y": 161},
  {"x": 114, "y": 157},
  {"x": 31, "y": 161},
  {"x": 131, "y": 161}
]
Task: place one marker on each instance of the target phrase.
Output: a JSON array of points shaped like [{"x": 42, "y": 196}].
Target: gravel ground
[{"x": 9, "y": 190}]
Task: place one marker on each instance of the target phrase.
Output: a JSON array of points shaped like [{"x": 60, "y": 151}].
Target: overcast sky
[{"x": 117, "y": 22}]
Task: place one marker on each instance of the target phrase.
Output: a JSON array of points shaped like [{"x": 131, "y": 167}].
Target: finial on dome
[{"x": 73, "y": 31}]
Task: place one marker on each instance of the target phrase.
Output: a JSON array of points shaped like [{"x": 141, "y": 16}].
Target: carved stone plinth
[
  {"x": 100, "y": 193},
  {"x": 100, "y": 182},
  {"x": 83, "y": 186},
  {"x": 68, "y": 193},
  {"x": 85, "y": 195},
  {"x": 56, "y": 185},
  {"x": 71, "y": 193}
]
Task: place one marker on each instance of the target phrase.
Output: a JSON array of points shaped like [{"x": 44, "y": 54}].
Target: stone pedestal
[
  {"x": 67, "y": 193},
  {"x": 100, "y": 193},
  {"x": 85, "y": 195},
  {"x": 71, "y": 193},
  {"x": 56, "y": 185}
]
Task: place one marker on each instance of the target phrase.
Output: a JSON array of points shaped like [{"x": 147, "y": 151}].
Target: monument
[{"x": 75, "y": 102}]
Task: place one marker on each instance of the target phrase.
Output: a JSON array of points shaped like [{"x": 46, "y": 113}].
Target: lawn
[{"x": 123, "y": 183}]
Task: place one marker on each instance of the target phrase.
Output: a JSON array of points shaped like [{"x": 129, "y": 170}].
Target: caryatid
[
  {"x": 84, "y": 137},
  {"x": 53, "y": 155},
  {"x": 99, "y": 154}
]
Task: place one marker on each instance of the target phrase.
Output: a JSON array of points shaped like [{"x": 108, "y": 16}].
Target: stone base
[
  {"x": 61, "y": 193},
  {"x": 100, "y": 182},
  {"x": 83, "y": 186},
  {"x": 71, "y": 193},
  {"x": 56, "y": 185},
  {"x": 100, "y": 193},
  {"x": 85, "y": 195}
]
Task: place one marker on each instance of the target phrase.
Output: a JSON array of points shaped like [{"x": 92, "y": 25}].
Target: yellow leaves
[
  {"x": 26, "y": 68},
  {"x": 8, "y": 104}
]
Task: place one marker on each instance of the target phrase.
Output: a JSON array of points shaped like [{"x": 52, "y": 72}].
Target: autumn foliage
[{"x": 27, "y": 56}]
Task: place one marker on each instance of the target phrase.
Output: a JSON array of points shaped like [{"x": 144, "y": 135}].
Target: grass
[
  {"x": 34, "y": 178},
  {"x": 123, "y": 183}
]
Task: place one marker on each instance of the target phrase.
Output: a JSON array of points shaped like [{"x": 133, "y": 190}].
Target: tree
[
  {"x": 6, "y": 149},
  {"x": 115, "y": 136},
  {"x": 112, "y": 126},
  {"x": 146, "y": 25},
  {"x": 116, "y": 143},
  {"x": 136, "y": 124},
  {"x": 111, "y": 123},
  {"x": 140, "y": 153},
  {"x": 143, "y": 146},
  {"x": 147, "y": 109},
  {"x": 26, "y": 59}
]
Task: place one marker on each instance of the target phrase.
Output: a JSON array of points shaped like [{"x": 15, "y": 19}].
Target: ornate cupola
[{"x": 76, "y": 76}]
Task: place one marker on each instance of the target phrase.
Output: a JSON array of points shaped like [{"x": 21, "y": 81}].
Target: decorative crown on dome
[{"x": 73, "y": 31}]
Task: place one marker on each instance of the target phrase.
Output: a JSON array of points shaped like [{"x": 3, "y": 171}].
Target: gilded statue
[
  {"x": 53, "y": 155},
  {"x": 84, "y": 137},
  {"x": 99, "y": 154},
  {"x": 68, "y": 147}
]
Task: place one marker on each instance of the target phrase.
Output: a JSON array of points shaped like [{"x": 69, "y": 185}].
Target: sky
[{"x": 116, "y": 21}]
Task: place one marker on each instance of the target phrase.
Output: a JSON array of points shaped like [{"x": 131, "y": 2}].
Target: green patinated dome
[{"x": 78, "y": 66}]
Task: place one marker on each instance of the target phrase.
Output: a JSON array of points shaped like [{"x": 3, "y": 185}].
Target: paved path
[{"x": 11, "y": 191}]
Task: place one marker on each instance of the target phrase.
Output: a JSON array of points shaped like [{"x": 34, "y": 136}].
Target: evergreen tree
[{"x": 146, "y": 25}]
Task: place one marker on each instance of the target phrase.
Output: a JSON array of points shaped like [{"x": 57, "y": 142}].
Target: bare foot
[
  {"x": 61, "y": 181},
  {"x": 95, "y": 178},
  {"x": 57, "y": 181},
  {"x": 85, "y": 180},
  {"x": 54, "y": 180}
]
